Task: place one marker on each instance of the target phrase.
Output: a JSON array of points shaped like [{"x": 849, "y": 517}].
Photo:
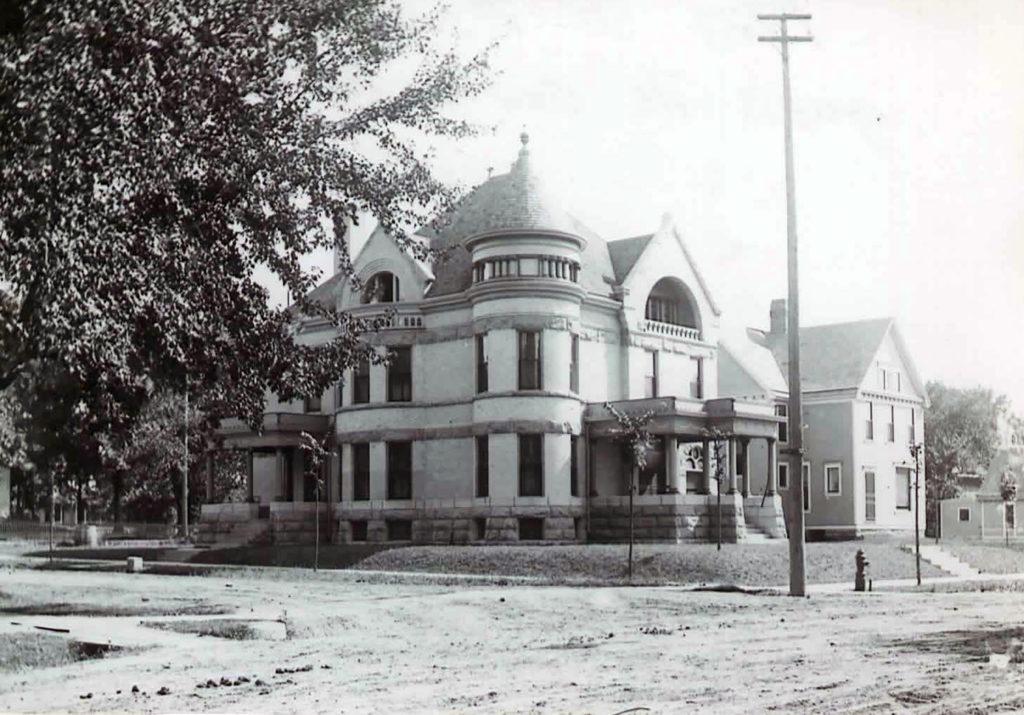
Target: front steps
[{"x": 945, "y": 561}]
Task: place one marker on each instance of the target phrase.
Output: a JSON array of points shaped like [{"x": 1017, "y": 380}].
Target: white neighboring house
[
  {"x": 979, "y": 512},
  {"x": 490, "y": 424},
  {"x": 863, "y": 404}
]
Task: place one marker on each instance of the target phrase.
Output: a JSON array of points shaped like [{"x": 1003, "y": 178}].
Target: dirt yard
[{"x": 337, "y": 643}]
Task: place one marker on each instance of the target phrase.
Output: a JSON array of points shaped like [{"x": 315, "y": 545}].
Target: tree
[
  {"x": 315, "y": 451},
  {"x": 717, "y": 439},
  {"x": 1008, "y": 493},
  {"x": 960, "y": 437},
  {"x": 154, "y": 154},
  {"x": 633, "y": 432}
]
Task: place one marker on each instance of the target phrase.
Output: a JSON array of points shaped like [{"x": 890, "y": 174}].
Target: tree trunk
[
  {"x": 118, "y": 488},
  {"x": 632, "y": 488},
  {"x": 79, "y": 503}
]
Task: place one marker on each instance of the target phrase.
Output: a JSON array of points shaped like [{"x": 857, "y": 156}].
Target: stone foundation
[
  {"x": 461, "y": 525},
  {"x": 669, "y": 518}
]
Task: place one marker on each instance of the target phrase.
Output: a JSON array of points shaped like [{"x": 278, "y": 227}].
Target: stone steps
[{"x": 945, "y": 561}]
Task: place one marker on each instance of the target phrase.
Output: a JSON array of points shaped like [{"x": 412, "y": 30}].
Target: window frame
[
  {"x": 482, "y": 483},
  {"x": 782, "y": 476},
  {"x": 838, "y": 466},
  {"x": 312, "y": 405},
  {"x": 891, "y": 432},
  {"x": 574, "y": 363},
  {"x": 805, "y": 473},
  {"x": 536, "y": 462},
  {"x": 697, "y": 384},
  {"x": 910, "y": 487},
  {"x": 869, "y": 432},
  {"x": 533, "y": 366},
  {"x": 361, "y": 382},
  {"x": 400, "y": 381},
  {"x": 481, "y": 363},
  {"x": 960, "y": 515},
  {"x": 650, "y": 374},
  {"x": 782, "y": 410},
  {"x": 398, "y": 468},
  {"x": 360, "y": 471}
]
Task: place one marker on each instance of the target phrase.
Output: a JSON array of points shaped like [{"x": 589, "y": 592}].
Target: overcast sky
[{"x": 909, "y": 121}]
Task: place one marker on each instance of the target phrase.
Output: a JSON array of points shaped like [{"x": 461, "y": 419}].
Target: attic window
[{"x": 381, "y": 288}]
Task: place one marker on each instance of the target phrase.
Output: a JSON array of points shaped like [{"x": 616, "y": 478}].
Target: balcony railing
[
  {"x": 669, "y": 329},
  {"x": 401, "y": 317}
]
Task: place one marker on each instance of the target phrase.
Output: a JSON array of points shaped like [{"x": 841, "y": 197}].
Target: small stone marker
[{"x": 134, "y": 564}]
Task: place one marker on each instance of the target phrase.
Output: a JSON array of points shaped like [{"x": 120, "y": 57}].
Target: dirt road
[{"x": 361, "y": 647}]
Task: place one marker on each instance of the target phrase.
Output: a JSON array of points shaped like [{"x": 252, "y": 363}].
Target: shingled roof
[
  {"x": 511, "y": 203},
  {"x": 832, "y": 357}
]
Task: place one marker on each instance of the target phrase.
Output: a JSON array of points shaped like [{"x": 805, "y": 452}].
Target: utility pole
[
  {"x": 797, "y": 573},
  {"x": 915, "y": 449}
]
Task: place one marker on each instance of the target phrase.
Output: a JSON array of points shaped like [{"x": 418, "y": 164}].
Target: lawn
[
  {"x": 748, "y": 565},
  {"x": 740, "y": 564}
]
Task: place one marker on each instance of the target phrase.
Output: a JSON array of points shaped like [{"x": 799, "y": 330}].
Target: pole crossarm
[
  {"x": 785, "y": 38},
  {"x": 783, "y": 16}
]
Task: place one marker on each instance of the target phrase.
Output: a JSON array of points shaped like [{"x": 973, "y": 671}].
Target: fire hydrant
[{"x": 862, "y": 565}]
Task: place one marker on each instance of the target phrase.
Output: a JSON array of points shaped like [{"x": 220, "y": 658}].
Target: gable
[
  {"x": 663, "y": 255},
  {"x": 379, "y": 253},
  {"x": 892, "y": 369},
  {"x": 832, "y": 357}
]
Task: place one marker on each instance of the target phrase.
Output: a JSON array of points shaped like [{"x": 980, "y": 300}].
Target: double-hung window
[
  {"x": 399, "y": 470},
  {"x": 361, "y": 383},
  {"x": 574, "y": 363},
  {"x": 400, "y": 375},
  {"x": 483, "y": 471},
  {"x": 529, "y": 360},
  {"x": 360, "y": 471},
  {"x": 903, "y": 484},
  {"x": 531, "y": 465},
  {"x": 481, "y": 363}
]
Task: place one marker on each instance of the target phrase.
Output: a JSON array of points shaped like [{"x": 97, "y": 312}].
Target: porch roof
[
  {"x": 279, "y": 429},
  {"x": 689, "y": 417}
]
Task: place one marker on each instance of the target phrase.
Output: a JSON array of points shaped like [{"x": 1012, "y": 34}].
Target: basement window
[
  {"x": 358, "y": 530},
  {"x": 399, "y": 530},
  {"x": 531, "y": 528}
]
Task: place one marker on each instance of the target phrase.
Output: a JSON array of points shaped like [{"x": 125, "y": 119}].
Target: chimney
[{"x": 778, "y": 316}]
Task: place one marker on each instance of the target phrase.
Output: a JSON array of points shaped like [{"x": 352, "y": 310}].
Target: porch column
[
  {"x": 745, "y": 441},
  {"x": 773, "y": 467},
  {"x": 209, "y": 477},
  {"x": 672, "y": 466},
  {"x": 705, "y": 477},
  {"x": 249, "y": 489},
  {"x": 732, "y": 466}
]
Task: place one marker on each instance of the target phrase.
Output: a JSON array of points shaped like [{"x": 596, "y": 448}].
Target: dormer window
[{"x": 381, "y": 288}]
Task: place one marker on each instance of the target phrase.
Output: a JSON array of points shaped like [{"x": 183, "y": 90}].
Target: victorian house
[{"x": 489, "y": 424}]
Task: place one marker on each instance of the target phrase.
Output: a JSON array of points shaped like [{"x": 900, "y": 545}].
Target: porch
[{"x": 698, "y": 480}]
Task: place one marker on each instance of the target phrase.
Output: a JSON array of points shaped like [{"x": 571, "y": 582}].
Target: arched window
[
  {"x": 669, "y": 302},
  {"x": 381, "y": 288}
]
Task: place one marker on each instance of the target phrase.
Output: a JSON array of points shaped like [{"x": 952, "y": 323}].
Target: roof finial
[
  {"x": 490, "y": 170},
  {"x": 524, "y": 137}
]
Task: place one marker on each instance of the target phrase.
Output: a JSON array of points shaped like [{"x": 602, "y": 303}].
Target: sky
[{"x": 909, "y": 141}]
